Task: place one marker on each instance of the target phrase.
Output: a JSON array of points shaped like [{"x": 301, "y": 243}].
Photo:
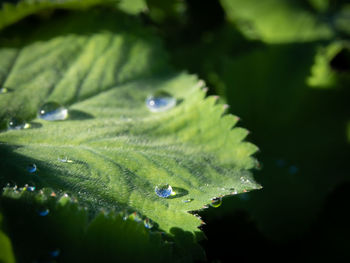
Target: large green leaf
[{"x": 103, "y": 65}]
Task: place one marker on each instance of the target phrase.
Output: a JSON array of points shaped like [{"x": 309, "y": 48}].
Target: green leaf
[
  {"x": 102, "y": 66},
  {"x": 11, "y": 13},
  {"x": 6, "y": 253},
  {"x": 65, "y": 232},
  {"x": 276, "y": 21}
]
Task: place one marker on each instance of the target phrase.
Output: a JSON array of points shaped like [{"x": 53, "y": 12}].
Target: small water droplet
[
  {"x": 3, "y": 90},
  {"x": 160, "y": 101},
  {"x": 31, "y": 168},
  {"x": 17, "y": 124},
  {"x": 44, "y": 212},
  {"x": 30, "y": 188},
  {"x": 244, "y": 180},
  {"x": 293, "y": 169},
  {"x": 52, "y": 111},
  {"x": 64, "y": 159},
  {"x": 189, "y": 200},
  {"x": 216, "y": 202},
  {"x": 163, "y": 190},
  {"x": 55, "y": 253},
  {"x": 135, "y": 216},
  {"x": 148, "y": 223}
]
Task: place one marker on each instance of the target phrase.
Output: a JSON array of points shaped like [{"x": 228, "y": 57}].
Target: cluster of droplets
[{"x": 135, "y": 216}]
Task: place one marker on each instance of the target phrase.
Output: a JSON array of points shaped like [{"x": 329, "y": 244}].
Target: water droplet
[
  {"x": 244, "y": 180},
  {"x": 189, "y": 200},
  {"x": 293, "y": 169},
  {"x": 64, "y": 159},
  {"x": 216, "y": 202},
  {"x": 44, "y": 212},
  {"x": 148, "y": 223},
  {"x": 55, "y": 253},
  {"x": 29, "y": 188},
  {"x": 52, "y": 111},
  {"x": 17, "y": 124},
  {"x": 3, "y": 90},
  {"x": 31, "y": 168},
  {"x": 163, "y": 190},
  {"x": 161, "y": 101},
  {"x": 135, "y": 216}
]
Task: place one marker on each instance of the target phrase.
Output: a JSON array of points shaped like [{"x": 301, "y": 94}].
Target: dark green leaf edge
[
  {"x": 12, "y": 13},
  {"x": 68, "y": 232}
]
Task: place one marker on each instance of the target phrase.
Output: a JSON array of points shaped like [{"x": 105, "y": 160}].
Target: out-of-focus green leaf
[
  {"x": 45, "y": 225},
  {"x": 11, "y": 13},
  {"x": 6, "y": 252},
  {"x": 276, "y": 21}
]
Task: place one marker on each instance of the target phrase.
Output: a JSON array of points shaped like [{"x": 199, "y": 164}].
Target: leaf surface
[{"x": 103, "y": 66}]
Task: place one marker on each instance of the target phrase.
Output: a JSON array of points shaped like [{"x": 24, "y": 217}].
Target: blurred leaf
[
  {"x": 6, "y": 253},
  {"x": 66, "y": 234},
  {"x": 276, "y": 21},
  {"x": 132, "y": 6},
  {"x": 11, "y": 13},
  {"x": 331, "y": 66},
  {"x": 103, "y": 65}
]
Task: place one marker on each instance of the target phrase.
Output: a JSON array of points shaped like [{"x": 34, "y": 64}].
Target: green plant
[{"x": 112, "y": 150}]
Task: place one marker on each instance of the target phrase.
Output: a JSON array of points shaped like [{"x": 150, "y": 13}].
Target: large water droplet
[
  {"x": 52, "y": 111},
  {"x": 44, "y": 212},
  {"x": 17, "y": 124},
  {"x": 31, "y": 168},
  {"x": 216, "y": 202},
  {"x": 160, "y": 101},
  {"x": 163, "y": 190}
]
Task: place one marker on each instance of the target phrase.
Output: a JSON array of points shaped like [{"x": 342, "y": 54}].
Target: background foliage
[{"x": 283, "y": 66}]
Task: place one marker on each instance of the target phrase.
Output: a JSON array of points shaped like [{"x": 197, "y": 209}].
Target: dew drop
[
  {"x": 64, "y": 159},
  {"x": 293, "y": 169},
  {"x": 216, "y": 202},
  {"x": 55, "y": 253},
  {"x": 160, "y": 101},
  {"x": 44, "y": 212},
  {"x": 52, "y": 111},
  {"x": 163, "y": 190},
  {"x": 135, "y": 216},
  {"x": 189, "y": 200},
  {"x": 30, "y": 188},
  {"x": 148, "y": 223},
  {"x": 17, "y": 124},
  {"x": 31, "y": 168},
  {"x": 3, "y": 90}
]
